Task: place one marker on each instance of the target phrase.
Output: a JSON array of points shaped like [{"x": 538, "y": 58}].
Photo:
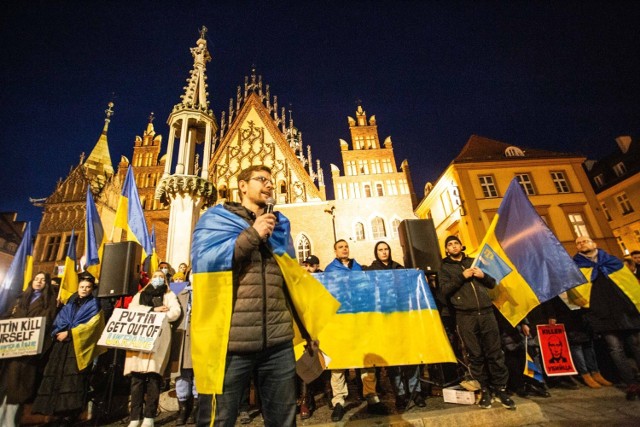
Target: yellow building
[
  {"x": 616, "y": 180},
  {"x": 465, "y": 198}
]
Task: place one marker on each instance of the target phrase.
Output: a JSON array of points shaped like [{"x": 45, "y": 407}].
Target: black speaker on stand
[
  {"x": 419, "y": 243},
  {"x": 119, "y": 277}
]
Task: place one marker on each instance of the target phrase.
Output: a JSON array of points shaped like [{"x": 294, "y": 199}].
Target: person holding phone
[{"x": 146, "y": 368}]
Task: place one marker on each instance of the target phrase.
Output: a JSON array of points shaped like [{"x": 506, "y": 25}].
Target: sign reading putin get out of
[
  {"x": 133, "y": 330},
  {"x": 23, "y": 336}
]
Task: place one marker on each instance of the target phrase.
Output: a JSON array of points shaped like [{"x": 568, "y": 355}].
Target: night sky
[{"x": 562, "y": 76}]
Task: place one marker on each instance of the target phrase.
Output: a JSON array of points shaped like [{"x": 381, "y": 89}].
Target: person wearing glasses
[
  {"x": 611, "y": 312},
  {"x": 261, "y": 331}
]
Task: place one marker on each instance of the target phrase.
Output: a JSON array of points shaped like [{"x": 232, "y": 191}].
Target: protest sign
[
  {"x": 133, "y": 330},
  {"x": 23, "y": 336},
  {"x": 556, "y": 355}
]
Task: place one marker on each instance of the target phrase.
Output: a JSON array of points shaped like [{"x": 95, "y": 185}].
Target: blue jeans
[
  {"x": 408, "y": 373},
  {"x": 615, "y": 344},
  {"x": 275, "y": 370},
  {"x": 186, "y": 385},
  {"x": 584, "y": 357}
]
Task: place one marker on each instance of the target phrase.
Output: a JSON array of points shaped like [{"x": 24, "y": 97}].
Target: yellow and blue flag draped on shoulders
[
  {"x": 19, "y": 274},
  {"x": 69, "y": 282},
  {"x": 212, "y": 250},
  {"x": 85, "y": 340},
  {"x": 386, "y": 317},
  {"x": 94, "y": 237},
  {"x": 130, "y": 217},
  {"x": 611, "y": 267},
  {"x": 530, "y": 265}
]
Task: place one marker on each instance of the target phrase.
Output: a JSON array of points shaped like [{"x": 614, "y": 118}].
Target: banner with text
[
  {"x": 133, "y": 330},
  {"x": 556, "y": 354},
  {"x": 23, "y": 336}
]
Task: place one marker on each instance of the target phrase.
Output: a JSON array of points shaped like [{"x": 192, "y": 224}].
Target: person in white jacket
[{"x": 146, "y": 368}]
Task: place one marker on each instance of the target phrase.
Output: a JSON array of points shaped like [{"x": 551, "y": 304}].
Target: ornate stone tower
[{"x": 185, "y": 187}]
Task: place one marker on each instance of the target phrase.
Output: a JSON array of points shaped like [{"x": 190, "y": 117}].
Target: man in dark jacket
[
  {"x": 261, "y": 332},
  {"x": 466, "y": 287}
]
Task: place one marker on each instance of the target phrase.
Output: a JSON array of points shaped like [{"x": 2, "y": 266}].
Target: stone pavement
[{"x": 584, "y": 406}]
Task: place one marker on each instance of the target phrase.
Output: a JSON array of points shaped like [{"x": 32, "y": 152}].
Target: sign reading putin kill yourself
[{"x": 23, "y": 336}]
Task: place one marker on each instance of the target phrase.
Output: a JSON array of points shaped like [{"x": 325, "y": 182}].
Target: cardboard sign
[
  {"x": 133, "y": 330},
  {"x": 23, "y": 336},
  {"x": 556, "y": 355}
]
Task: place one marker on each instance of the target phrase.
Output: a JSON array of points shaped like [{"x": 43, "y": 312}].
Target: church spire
[
  {"x": 98, "y": 166},
  {"x": 195, "y": 95}
]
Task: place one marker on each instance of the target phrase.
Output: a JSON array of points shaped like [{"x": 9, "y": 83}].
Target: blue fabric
[
  {"x": 336, "y": 264},
  {"x": 216, "y": 234},
  {"x": 94, "y": 231},
  {"x": 68, "y": 317},
  {"x": 532, "y": 247},
  {"x": 14, "y": 278},
  {"x": 606, "y": 264}
]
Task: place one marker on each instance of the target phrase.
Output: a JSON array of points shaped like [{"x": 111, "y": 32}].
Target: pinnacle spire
[
  {"x": 195, "y": 95},
  {"x": 98, "y": 166}
]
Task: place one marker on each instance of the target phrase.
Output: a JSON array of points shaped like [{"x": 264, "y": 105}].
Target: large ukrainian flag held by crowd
[
  {"x": 69, "y": 282},
  {"x": 530, "y": 265},
  {"x": 130, "y": 217},
  {"x": 386, "y": 317},
  {"x": 211, "y": 258},
  {"x": 19, "y": 274}
]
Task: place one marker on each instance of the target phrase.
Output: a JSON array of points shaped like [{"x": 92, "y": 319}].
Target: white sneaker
[
  {"x": 147, "y": 422},
  {"x": 134, "y": 423}
]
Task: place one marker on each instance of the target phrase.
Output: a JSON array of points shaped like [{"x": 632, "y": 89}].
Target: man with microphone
[{"x": 260, "y": 336}]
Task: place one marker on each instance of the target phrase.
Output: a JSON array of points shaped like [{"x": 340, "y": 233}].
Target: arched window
[
  {"x": 359, "y": 228},
  {"x": 377, "y": 227},
  {"x": 379, "y": 190},
  {"x": 367, "y": 190},
  {"x": 395, "y": 225},
  {"x": 303, "y": 248}
]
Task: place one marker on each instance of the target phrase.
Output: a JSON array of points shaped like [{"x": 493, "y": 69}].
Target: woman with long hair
[
  {"x": 21, "y": 376},
  {"x": 146, "y": 368}
]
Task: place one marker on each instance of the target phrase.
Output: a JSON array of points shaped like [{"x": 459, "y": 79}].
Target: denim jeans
[
  {"x": 409, "y": 373},
  {"x": 274, "y": 370},
  {"x": 615, "y": 344},
  {"x": 186, "y": 385},
  {"x": 584, "y": 357}
]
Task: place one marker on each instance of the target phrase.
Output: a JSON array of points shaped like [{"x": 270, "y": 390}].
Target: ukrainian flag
[
  {"x": 69, "y": 282},
  {"x": 19, "y": 274},
  {"x": 386, "y": 318},
  {"x": 212, "y": 257},
  {"x": 94, "y": 237},
  {"x": 522, "y": 254},
  {"x": 130, "y": 217},
  {"x": 154, "y": 260},
  {"x": 531, "y": 369},
  {"x": 611, "y": 267}
]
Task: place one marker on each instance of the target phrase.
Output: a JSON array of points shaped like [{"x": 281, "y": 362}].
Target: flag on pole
[
  {"x": 94, "y": 237},
  {"x": 526, "y": 259},
  {"x": 530, "y": 368},
  {"x": 19, "y": 274},
  {"x": 69, "y": 282},
  {"x": 155, "y": 260},
  {"x": 130, "y": 216}
]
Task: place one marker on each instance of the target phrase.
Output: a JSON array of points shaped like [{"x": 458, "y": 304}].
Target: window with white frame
[
  {"x": 599, "y": 180},
  {"x": 560, "y": 181},
  {"x": 404, "y": 188},
  {"x": 375, "y": 166},
  {"x": 342, "y": 191},
  {"x": 351, "y": 168},
  {"x": 622, "y": 245},
  {"x": 378, "y": 228},
  {"x": 620, "y": 169},
  {"x": 605, "y": 211},
  {"x": 303, "y": 248},
  {"x": 392, "y": 189},
  {"x": 624, "y": 204},
  {"x": 359, "y": 231},
  {"x": 524, "y": 179},
  {"x": 371, "y": 141},
  {"x": 367, "y": 190},
  {"x": 386, "y": 166},
  {"x": 358, "y": 142},
  {"x": 355, "y": 190},
  {"x": 578, "y": 224},
  {"x": 395, "y": 225},
  {"x": 379, "y": 189},
  {"x": 488, "y": 186},
  {"x": 363, "y": 167}
]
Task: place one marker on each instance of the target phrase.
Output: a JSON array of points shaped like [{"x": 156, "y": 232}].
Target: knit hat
[{"x": 451, "y": 238}]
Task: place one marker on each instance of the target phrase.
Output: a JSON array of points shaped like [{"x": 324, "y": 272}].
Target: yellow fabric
[
  {"x": 95, "y": 269},
  {"x": 512, "y": 296},
  {"x": 628, "y": 283},
  {"x": 69, "y": 282},
  {"x": 28, "y": 272},
  {"x": 122, "y": 221},
  {"x": 85, "y": 339},
  {"x": 581, "y": 295},
  {"x": 211, "y": 310}
]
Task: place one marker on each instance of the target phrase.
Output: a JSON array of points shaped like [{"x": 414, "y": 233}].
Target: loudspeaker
[
  {"x": 420, "y": 244},
  {"x": 120, "y": 269}
]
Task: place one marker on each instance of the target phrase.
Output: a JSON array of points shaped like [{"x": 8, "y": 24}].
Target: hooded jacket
[{"x": 466, "y": 295}]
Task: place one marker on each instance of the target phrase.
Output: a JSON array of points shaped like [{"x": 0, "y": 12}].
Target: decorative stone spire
[
  {"x": 195, "y": 95},
  {"x": 98, "y": 166}
]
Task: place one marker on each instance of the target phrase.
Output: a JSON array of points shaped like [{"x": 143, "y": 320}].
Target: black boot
[
  {"x": 182, "y": 413},
  {"x": 193, "y": 412}
]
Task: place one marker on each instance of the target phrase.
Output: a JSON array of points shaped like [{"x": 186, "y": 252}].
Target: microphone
[{"x": 269, "y": 208}]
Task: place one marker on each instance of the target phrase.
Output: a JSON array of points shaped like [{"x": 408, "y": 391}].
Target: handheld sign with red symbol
[{"x": 556, "y": 355}]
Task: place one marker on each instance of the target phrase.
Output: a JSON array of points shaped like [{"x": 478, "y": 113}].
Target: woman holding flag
[
  {"x": 65, "y": 386},
  {"x": 22, "y": 375}
]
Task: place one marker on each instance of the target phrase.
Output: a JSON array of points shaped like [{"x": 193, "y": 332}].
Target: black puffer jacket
[
  {"x": 466, "y": 295},
  {"x": 261, "y": 317}
]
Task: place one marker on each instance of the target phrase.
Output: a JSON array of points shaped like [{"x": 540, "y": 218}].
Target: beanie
[{"x": 451, "y": 238}]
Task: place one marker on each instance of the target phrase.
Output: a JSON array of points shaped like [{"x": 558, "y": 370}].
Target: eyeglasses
[
  {"x": 263, "y": 180},
  {"x": 584, "y": 242}
]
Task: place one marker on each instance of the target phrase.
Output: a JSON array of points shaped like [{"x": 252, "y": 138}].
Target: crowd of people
[{"x": 491, "y": 352}]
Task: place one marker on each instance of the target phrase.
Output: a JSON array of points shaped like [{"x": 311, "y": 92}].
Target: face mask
[
  {"x": 165, "y": 270},
  {"x": 156, "y": 282}
]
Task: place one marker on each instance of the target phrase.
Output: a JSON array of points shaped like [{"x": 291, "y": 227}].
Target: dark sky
[{"x": 561, "y": 76}]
